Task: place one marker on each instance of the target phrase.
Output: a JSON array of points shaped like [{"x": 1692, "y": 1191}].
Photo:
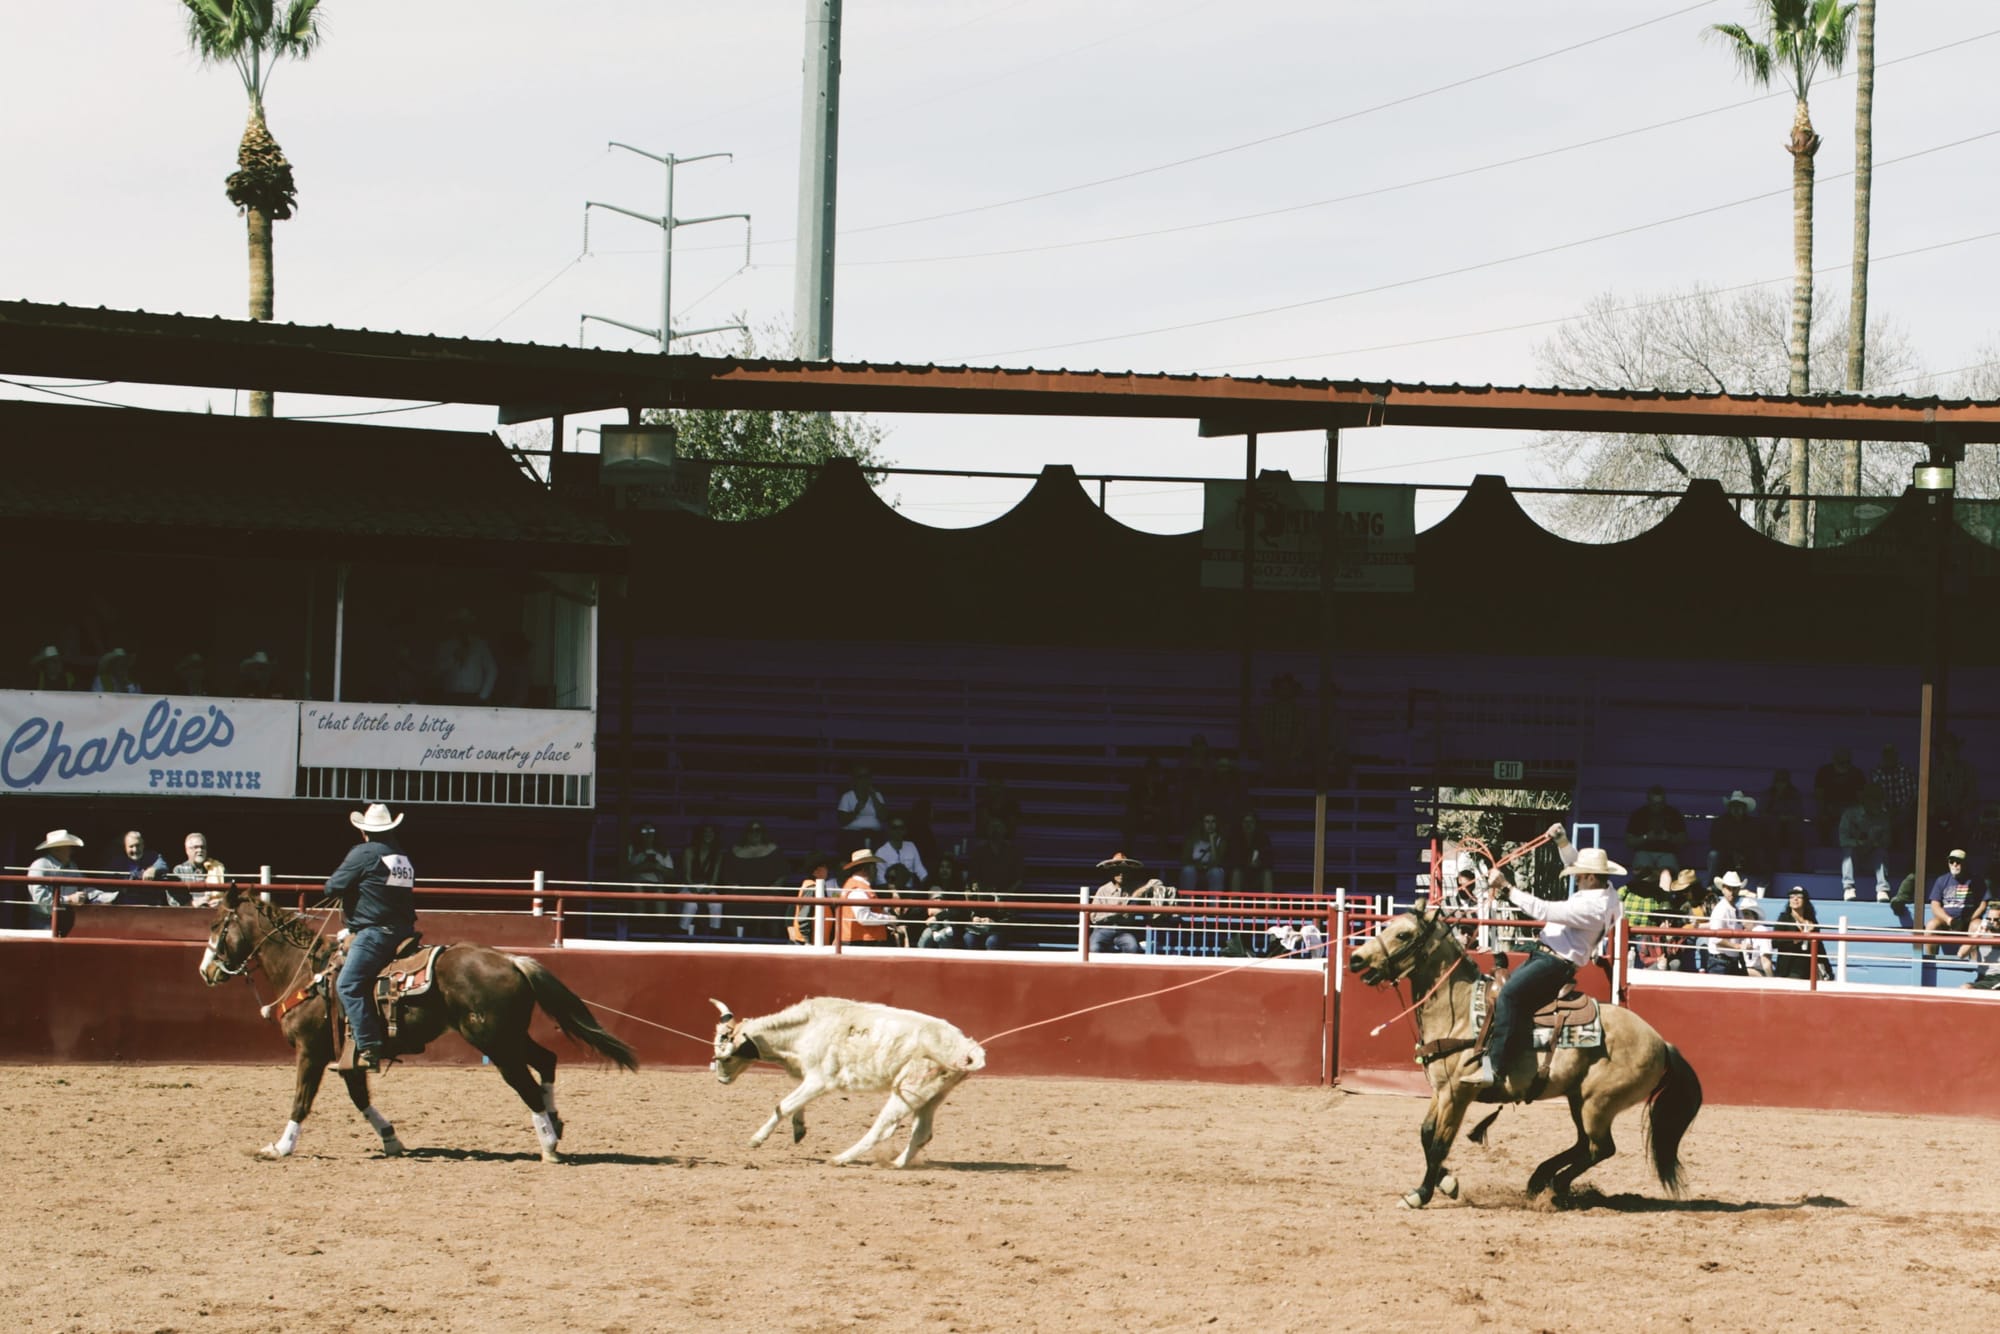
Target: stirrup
[
  {"x": 1480, "y": 1073},
  {"x": 368, "y": 1059}
]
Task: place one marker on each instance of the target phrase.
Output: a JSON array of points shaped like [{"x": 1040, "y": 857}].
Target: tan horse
[{"x": 1634, "y": 1065}]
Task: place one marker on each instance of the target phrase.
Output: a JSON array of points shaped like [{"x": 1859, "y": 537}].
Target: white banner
[
  {"x": 171, "y": 745},
  {"x": 419, "y": 738},
  {"x": 1378, "y": 536}
]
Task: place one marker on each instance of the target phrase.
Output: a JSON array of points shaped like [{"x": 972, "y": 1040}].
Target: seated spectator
[
  {"x": 139, "y": 862},
  {"x": 1982, "y": 938},
  {"x": 1687, "y": 906},
  {"x": 1864, "y": 838},
  {"x": 986, "y": 926},
  {"x": 900, "y": 851},
  {"x": 198, "y": 869},
  {"x": 1785, "y": 823},
  {"x": 1654, "y": 835},
  {"x": 462, "y": 668},
  {"x": 756, "y": 863},
  {"x": 897, "y": 884},
  {"x": 114, "y": 674},
  {"x": 1149, "y": 806},
  {"x": 1794, "y": 957},
  {"x": 1249, "y": 855},
  {"x": 1115, "y": 932},
  {"x": 1646, "y": 900},
  {"x": 701, "y": 865},
  {"x": 191, "y": 675},
  {"x": 256, "y": 678},
  {"x": 1757, "y": 957},
  {"x": 1204, "y": 857},
  {"x": 996, "y": 863},
  {"x": 646, "y": 863},
  {"x": 817, "y": 884},
  {"x": 994, "y": 801},
  {"x": 1954, "y": 897},
  {"x": 1836, "y": 786},
  {"x": 862, "y": 813},
  {"x": 1736, "y": 841},
  {"x": 58, "y": 860},
  {"x": 943, "y": 919},
  {"x": 47, "y": 672},
  {"x": 861, "y": 923}
]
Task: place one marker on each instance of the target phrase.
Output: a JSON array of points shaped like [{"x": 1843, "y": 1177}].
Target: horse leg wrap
[
  {"x": 545, "y": 1131},
  {"x": 286, "y": 1142}
]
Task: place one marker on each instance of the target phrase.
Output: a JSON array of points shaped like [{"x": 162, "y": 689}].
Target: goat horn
[{"x": 721, "y": 1009}]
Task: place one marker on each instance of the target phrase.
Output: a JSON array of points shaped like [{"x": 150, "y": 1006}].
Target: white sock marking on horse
[
  {"x": 286, "y": 1142},
  {"x": 545, "y": 1131}
]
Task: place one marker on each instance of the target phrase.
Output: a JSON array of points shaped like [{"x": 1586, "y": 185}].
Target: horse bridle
[{"x": 1426, "y": 924}]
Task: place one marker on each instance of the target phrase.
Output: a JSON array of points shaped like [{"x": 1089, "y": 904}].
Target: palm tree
[
  {"x": 1864, "y": 170},
  {"x": 1799, "y": 38},
  {"x": 252, "y": 36}
]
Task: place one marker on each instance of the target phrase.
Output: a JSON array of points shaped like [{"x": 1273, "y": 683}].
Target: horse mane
[{"x": 291, "y": 925}]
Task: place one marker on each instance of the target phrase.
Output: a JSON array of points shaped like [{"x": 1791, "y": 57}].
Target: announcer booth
[{"x": 246, "y": 627}]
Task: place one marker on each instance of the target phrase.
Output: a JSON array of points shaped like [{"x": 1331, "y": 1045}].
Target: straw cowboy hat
[
  {"x": 1593, "y": 861},
  {"x": 375, "y": 820},
  {"x": 1748, "y": 803},
  {"x": 257, "y": 659},
  {"x": 862, "y": 857},
  {"x": 1118, "y": 861},
  {"x": 49, "y": 654},
  {"x": 59, "y": 838}
]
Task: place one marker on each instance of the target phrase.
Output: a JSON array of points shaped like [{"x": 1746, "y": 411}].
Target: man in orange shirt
[{"x": 861, "y": 924}]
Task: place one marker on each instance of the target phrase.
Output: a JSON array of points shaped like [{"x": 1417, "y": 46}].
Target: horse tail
[
  {"x": 1671, "y": 1110},
  {"x": 1478, "y": 1133},
  {"x": 572, "y": 1016}
]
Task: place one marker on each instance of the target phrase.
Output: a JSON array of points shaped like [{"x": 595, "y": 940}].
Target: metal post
[
  {"x": 264, "y": 879},
  {"x": 819, "y": 160},
  {"x": 541, "y": 883},
  {"x": 339, "y": 625},
  {"x": 1247, "y": 513},
  {"x": 1329, "y": 573}
]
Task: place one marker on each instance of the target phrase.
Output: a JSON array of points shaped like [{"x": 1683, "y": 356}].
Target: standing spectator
[
  {"x": 646, "y": 863},
  {"x": 994, "y": 801},
  {"x": 861, "y": 923},
  {"x": 701, "y": 866},
  {"x": 1864, "y": 838},
  {"x": 114, "y": 674},
  {"x": 996, "y": 864},
  {"x": 191, "y": 675},
  {"x": 1794, "y": 957},
  {"x": 1114, "y": 932},
  {"x": 1836, "y": 786},
  {"x": 58, "y": 860},
  {"x": 1250, "y": 857},
  {"x": 462, "y": 669},
  {"x": 1954, "y": 897},
  {"x": 1724, "y": 953},
  {"x": 818, "y": 884},
  {"x": 139, "y": 862},
  {"x": 862, "y": 813},
  {"x": 198, "y": 869},
  {"x": 1204, "y": 856},
  {"x": 1736, "y": 841},
  {"x": 47, "y": 672},
  {"x": 1654, "y": 835},
  {"x": 1785, "y": 823},
  {"x": 1899, "y": 797},
  {"x": 756, "y": 864},
  {"x": 1149, "y": 806},
  {"x": 900, "y": 851},
  {"x": 1285, "y": 732},
  {"x": 256, "y": 678}
]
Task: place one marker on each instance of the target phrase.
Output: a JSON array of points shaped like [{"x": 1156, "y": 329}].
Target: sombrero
[{"x": 1118, "y": 861}]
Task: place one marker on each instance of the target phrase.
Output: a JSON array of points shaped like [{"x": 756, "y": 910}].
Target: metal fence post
[{"x": 541, "y": 883}]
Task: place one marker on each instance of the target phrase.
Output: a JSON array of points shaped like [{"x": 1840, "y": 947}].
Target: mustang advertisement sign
[
  {"x": 168, "y": 745},
  {"x": 421, "y": 738}
]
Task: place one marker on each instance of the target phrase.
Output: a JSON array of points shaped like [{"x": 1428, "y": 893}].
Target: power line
[{"x": 1462, "y": 269}]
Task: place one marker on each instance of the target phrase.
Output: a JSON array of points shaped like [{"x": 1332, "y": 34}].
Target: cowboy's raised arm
[{"x": 1561, "y": 836}]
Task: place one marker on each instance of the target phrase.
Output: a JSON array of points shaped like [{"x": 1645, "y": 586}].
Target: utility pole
[
  {"x": 819, "y": 158},
  {"x": 667, "y": 223}
]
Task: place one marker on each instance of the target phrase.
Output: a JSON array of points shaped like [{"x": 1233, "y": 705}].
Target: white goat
[{"x": 828, "y": 1043}]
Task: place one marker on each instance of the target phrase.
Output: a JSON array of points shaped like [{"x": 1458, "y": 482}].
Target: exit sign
[{"x": 1508, "y": 771}]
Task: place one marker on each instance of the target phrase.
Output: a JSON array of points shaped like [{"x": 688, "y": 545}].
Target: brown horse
[
  {"x": 1634, "y": 1065},
  {"x": 483, "y": 995}
]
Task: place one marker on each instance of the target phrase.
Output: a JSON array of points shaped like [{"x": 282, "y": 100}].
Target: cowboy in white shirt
[
  {"x": 899, "y": 851},
  {"x": 1725, "y": 953},
  {"x": 1576, "y": 929}
]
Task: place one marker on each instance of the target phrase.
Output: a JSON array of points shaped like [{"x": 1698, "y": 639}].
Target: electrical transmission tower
[{"x": 665, "y": 334}]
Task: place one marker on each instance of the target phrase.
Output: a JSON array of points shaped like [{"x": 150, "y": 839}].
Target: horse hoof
[
  {"x": 1448, "y": 1187},
  {"x": 271, "y": 1153},
  {"x": 393, "y": 1148},
  {"x": 551, "y": 1156}
]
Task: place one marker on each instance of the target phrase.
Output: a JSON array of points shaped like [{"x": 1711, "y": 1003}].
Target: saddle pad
[{"x": 1564, "y": 1009}]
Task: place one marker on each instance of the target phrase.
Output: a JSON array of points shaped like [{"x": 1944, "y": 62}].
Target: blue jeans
[
  {"x": 1113, "y": 940},
  {"x": 369, "y": 951},
  {"x": 1532, "y": 985},
  {"x": 1867, "y": 857}
]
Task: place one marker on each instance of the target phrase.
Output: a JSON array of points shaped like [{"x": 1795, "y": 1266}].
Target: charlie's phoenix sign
[{"x": 61, "y": 742}]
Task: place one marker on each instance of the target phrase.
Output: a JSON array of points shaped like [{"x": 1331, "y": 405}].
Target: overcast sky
[{"x": 1403, "y": 191}]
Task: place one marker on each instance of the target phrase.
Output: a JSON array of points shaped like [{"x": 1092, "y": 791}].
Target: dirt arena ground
[{"x": 132, "y": 1201}]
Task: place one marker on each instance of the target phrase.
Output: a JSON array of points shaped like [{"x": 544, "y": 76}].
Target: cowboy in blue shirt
[{"x": 378, "y": 903}]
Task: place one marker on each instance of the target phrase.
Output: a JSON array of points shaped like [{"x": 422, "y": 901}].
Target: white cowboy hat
[
  {"x": 862, "y": 857},
  {"x": 257, "y": 659},
  {"x": 48, "y": 654},
  {"x": 1729, "y": 880},
  {"x": 375, "y": 820},
  {"x": 1593, "y": 861},
  {"x": 59, "y": 838},
  {"x": 1749, "y": 802}
]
